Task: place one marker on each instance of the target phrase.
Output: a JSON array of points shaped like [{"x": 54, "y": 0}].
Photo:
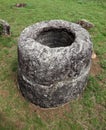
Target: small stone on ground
[
  {"x": 93, "y": 55},
  {"x": 20, "y": 5},
  {"x": 4, "y": 28},
  {"x": 85, "y": 23}
]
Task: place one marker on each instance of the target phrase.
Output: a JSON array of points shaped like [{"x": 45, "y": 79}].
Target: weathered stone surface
[
  {"x": 4, "y": 28},
  {"x": 85, "y": 24},
  {"x": 54, "y": 59}
]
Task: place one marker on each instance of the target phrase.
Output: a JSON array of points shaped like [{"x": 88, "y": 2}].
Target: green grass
[{"x": 86, "y": 113}]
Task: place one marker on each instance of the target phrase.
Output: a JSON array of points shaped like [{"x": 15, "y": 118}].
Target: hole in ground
[{"x": 56, "y": 37}]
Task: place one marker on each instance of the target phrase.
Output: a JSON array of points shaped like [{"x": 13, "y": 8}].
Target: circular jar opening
[{"x": 55, "y": 37}]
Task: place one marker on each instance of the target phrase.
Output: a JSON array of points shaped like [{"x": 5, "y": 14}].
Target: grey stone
[
  {"x": 85, "y": 23},
  {"x": 54, "y": 59},
  {"x": 19, "y": 5},
  {"x": 4, "y": 27}
]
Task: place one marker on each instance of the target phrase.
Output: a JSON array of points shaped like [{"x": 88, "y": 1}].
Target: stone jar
[
  {"x": 54, "y": 59},
  {"x": 4, "y": 28}
]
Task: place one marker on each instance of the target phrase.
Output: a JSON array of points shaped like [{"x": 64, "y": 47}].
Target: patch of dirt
[
  {"x": 104, "y": 55},
  {"x": 48, "y": 114},
  {"x": 99, "y": 110},
  {"x": 95, "y": 68},
  {"x": 4, "y": 93},
  {"x": 20, "y": 125}
]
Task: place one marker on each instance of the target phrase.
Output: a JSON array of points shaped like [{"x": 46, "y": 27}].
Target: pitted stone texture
[
  {"x": 54, "y": 59},
  {"x": 4, "y": 28}
]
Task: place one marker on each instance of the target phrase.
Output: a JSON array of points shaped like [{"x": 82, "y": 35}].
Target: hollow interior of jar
[{"x": 54, "y": 37}]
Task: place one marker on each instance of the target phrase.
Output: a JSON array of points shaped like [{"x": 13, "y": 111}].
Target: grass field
[{"x": 86, "y": 113}]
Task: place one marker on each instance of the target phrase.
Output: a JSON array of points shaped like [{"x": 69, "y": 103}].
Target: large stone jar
[{"x": 54, "y": 59}]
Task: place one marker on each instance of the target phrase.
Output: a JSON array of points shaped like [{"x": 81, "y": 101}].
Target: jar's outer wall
[{"x": 44, "y": 71}]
